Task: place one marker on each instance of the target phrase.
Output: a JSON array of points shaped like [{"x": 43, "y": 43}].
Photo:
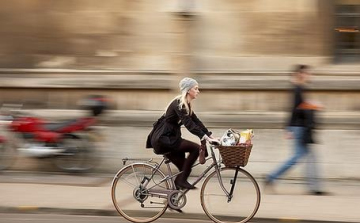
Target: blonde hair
[{"x": 183, "y": 103}]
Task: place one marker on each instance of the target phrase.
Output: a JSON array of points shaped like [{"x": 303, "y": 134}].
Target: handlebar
[{"x": 214, "y": 143}]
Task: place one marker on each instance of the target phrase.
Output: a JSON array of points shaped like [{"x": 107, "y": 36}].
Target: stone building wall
[
  {"x": 153, "y": 35},
  {"x": 86, "y": 35},
  {"x": 240, "y": 51}
]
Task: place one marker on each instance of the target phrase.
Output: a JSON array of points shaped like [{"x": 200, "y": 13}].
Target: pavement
[{"x": 89, "y": 194}]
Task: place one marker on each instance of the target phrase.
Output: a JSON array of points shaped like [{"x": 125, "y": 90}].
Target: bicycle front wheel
[
  {"x": 240, "y": 206},
  {"x": 132, "y": 192}
]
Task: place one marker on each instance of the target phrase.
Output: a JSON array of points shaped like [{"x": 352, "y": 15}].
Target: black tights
[{"x": 177, "y": 157}]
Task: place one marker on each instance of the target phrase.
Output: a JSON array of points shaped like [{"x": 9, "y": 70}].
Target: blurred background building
[
  {"x": 241, "y": 48},
  {"x": 135, "y": 51}
]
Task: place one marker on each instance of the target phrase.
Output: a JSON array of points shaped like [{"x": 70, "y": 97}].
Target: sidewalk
[{"x": 90, "y": 195}]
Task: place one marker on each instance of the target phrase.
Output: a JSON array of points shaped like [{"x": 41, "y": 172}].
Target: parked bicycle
[{"x": 141, "y": 192}]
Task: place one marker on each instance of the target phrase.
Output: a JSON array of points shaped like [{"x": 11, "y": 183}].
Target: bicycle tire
[
  {"x": 244, "y": 203},
  {"x": 77, "y": 157},
  {"x": 128, "y": 195}
]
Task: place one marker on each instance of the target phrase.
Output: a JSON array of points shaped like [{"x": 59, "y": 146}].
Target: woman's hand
[
  {"x": 211, "y": 140},
  {"x": 211, "y": 137}
]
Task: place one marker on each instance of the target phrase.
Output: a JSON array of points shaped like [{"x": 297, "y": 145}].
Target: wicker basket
[{"x": 233, "y": 156}]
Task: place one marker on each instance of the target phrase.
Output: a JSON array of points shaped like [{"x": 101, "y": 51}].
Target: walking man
[{"x": 299, "y": 128}]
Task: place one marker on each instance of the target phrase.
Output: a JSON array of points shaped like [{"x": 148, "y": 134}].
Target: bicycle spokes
[
  {"x": 234, "y": 195},
  {"x": 131, "y": 193}
]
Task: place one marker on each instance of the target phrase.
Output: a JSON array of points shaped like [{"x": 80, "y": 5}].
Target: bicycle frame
[{"x": 170, "y": 177}]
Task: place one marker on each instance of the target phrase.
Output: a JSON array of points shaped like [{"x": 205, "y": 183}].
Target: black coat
[
  {"x": 297, "y": 117},
  {"x": 166, "y": 133}
]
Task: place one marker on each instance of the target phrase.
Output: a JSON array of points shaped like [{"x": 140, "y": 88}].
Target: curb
[
  {"x": 102, "y": 212},
  {"x": 48, "y": 210}
]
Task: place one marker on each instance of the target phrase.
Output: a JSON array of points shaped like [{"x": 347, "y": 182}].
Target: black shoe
[
  {"x": 269, "y": 185},
  {"x": 319, "y": 193},
  {"x": 184, "y": 185},
  {"x": 177, "y": 210}
]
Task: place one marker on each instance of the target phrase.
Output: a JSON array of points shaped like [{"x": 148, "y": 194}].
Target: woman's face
[{"x": 193, "y": 92}]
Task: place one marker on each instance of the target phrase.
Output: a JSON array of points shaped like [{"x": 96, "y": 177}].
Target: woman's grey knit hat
[{"x": 186, "y": 84}]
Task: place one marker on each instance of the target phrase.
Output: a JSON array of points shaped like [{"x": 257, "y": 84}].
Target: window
[{"x": 347, "y": 31}]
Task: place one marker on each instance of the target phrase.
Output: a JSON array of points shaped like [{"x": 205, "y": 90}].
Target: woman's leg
[
  {"x": 178, "y": 158},
  {"x": 193, "y": 150}
]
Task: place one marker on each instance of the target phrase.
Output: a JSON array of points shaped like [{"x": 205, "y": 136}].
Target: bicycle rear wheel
[
  {"x": 243, "y": 204},
  {"x": 130, "y": 193}
]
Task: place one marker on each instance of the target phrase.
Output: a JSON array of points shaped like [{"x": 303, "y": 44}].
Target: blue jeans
[{"x": 300, "y": 150}]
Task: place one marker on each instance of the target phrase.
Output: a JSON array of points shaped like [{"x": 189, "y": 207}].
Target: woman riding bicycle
[{"x": 166, "y": 139}]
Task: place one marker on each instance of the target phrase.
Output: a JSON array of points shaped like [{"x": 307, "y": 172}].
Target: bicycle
[{"x": 141, "y": 192}]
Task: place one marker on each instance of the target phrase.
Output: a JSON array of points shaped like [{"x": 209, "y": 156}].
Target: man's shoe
[
  {"x": 269, "y": 186},
  {"x": 319, "y": 193}
]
